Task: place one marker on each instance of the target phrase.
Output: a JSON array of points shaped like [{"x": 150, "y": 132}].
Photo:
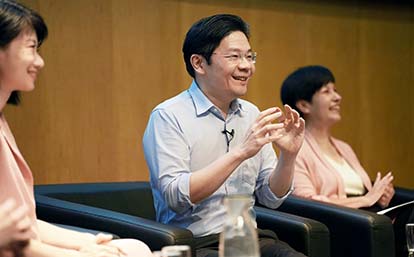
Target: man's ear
[
  {"x": 198, "y": 62},
  {"x": 303, "y": 106}
]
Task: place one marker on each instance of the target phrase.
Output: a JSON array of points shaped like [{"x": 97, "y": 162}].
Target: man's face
[{"x": 230, "y": 69}]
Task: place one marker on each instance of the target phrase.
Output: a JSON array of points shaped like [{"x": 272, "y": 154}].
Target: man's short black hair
[{"x": 206, "y": 34}]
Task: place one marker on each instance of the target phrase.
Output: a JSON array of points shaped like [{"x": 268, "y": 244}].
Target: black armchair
[
  {"x": 126, "y": 209},
  {"x": 305, "y": 235},
  {"x": 402, "y": 195},
  {"x": 354, "y": 232},
  {"x": 154, "y": 234}
]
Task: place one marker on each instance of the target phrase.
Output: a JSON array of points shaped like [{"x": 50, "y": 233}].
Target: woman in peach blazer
[
  {"x": 327, "y": 169},
  {"x": 21, "y": 33}
]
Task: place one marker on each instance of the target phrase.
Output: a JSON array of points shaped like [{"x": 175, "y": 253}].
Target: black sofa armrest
[
  {"x": 402, "y": 195},
  {"x": 304, "y": 235},
  {"x": 154, "y": 234},
  {"x": 354, "y": 232}
]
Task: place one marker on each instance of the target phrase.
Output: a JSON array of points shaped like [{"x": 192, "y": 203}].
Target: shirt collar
[{"x": 203, "y": 104}]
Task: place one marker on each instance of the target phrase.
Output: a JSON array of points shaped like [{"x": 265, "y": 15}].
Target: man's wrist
[
  {"x": 288, "y": 157},
  {"x": 238, "y": 154}
]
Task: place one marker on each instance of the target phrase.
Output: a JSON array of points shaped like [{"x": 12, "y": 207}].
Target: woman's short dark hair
[
  {"x": 15, "y": 18},
  {"x": 205, "y": 36},
  {"x": 303, "y": 83}
]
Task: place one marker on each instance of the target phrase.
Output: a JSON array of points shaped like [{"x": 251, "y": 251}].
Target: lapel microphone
[
  {"x": 226, "y": 132},
  {"x": 229, "y": 136}
]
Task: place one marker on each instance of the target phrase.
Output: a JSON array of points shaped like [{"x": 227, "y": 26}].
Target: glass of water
[{"x": 409, "y": 229}]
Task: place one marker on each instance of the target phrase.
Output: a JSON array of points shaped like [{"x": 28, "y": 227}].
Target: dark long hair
[{"x": 14, "y": 18}]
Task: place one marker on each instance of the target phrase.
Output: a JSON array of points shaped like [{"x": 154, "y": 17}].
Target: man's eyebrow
[{"x": 239, "y": 50}]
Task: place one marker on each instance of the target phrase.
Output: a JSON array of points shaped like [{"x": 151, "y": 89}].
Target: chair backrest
[{"x": 133, "y": 198}]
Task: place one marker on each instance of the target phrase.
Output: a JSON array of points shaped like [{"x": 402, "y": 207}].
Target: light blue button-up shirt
[{"x": 183, "y": 135}]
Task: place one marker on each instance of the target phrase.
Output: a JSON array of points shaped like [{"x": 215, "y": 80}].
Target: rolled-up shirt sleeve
[{"x": 168, "y": 156}]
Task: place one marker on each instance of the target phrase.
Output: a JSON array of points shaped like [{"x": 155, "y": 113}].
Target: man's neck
[{"x": 222, "y": 104}]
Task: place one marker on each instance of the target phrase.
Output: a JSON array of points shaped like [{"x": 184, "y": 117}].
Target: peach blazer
[
  {"x": 16, "y": 180},
  {"x": 316, "y": 177}
]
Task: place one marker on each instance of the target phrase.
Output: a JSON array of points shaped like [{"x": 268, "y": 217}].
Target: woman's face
[
  {"x": 325, "y": 107},
  {"x": 20, "y": 63}
]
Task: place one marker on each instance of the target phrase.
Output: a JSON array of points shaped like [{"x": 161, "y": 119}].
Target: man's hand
[
  {"x": 260, "y": 131},
  {"x": 288, "y": 137},
  {"x": 287, "y": 134}
]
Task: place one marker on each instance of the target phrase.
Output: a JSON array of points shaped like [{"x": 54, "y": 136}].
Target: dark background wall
[{"x": 109, "y": 62}]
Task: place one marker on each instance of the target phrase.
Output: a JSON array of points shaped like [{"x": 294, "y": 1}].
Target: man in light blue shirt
[{"x": 206, "y": 142}]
